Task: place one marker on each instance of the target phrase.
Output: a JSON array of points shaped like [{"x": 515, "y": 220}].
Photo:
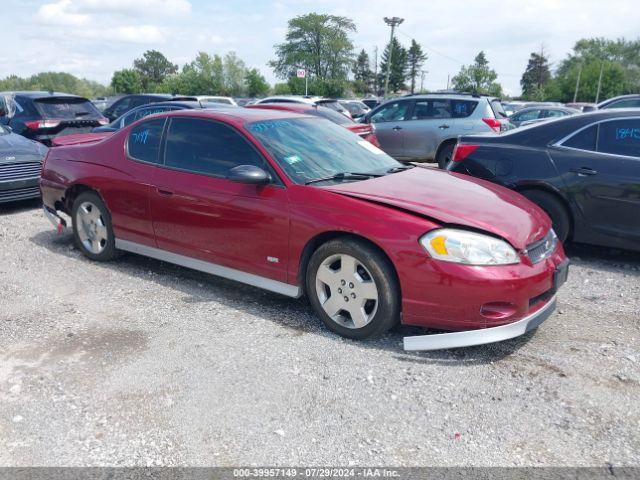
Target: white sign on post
[{"x": 301, "y": 73}]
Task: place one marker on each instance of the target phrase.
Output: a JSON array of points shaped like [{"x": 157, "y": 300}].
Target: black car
[
  {"x": 129, "y": 102},
  {"x": 20, "y": 162},
  {"x": 159, "y": 107},
  {"x": 583, "y": 170},
  {"x": 42, "y": 116}
]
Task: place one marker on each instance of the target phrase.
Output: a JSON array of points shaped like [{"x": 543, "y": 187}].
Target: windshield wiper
[
  {"x": 400, "y": 169},
  {"x": 82, "y": 114},
  {"x": 345, "y": 176}
]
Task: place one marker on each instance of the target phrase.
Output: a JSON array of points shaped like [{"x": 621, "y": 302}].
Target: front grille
[
  {"x": 19, "y": 171},
  {"x": 19, "y": 194},
  {"x": 542, "y": 249}
]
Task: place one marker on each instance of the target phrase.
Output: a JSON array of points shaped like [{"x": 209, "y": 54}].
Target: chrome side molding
[{"x": 211, "y": 268}]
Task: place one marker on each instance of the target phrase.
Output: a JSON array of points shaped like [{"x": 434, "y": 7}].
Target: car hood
[
  {"x": 16, "y": 148},
  {"x": 454, "y": 199}
]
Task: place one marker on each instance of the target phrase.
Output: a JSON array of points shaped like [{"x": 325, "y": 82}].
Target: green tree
[
  {"x": 126, "y": 81},
  {"x": 397, "y": 69},
  {"x": 234, "y": 72},
  {"x": 55, "y": 81},
  {"x": 415, "y": 59},
  {"x": 255, "y": 83},
  {"x": 362, "y": 74},
  {"x": 320, "y": 44},
  {"x": 281, "y": 89},
  {"x": 153, "y": 68},
  {"x": 620, "y": 62},
  {"x": 478, "y": 78},
  {"x": 536, "y": 77}
]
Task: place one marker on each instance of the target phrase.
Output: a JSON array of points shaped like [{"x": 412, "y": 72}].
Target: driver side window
[{"x": 392, "y": 112}]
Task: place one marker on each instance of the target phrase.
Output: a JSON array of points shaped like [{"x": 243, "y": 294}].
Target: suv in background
[
  {"x": 42, "y": 116},
  {"x": 129, "y": 102},
  {"x": 425, "y": 127}
]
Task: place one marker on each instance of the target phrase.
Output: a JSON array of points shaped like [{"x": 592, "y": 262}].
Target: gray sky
[{"x": 92, "y": 38}]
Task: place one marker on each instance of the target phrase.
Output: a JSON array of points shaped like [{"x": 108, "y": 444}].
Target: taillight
[
  {"x": 373, "y": 140},
  {"x": 103, "y": 121},
  {"x": 37, "y": 124},
  {"x": 462, "y": 151},
  {"x": 494, "y": 123}
]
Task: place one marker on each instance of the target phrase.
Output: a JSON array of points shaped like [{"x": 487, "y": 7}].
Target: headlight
[{"x": 460, "y": 246}]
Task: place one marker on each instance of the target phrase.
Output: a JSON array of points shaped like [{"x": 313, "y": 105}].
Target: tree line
[
  {"x": 614, "y": 64},
  {"x": 322, "y": 44}
]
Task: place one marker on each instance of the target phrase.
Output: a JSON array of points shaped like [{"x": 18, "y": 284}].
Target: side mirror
[{"x": 249, "y": 174}]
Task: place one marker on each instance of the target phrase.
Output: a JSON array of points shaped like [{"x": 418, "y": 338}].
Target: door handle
[
  {"x": 396, "y": 128},
  {"x": 443, "y": 127},
  {"x": 164, "y": 192},
  {"x": 583, "y": 171}
]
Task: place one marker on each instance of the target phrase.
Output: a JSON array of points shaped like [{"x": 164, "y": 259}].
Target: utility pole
[
  {"x": 393, "y": 22},
  {"x": 375, "y": 70},
  {"x": 599, "y": 82},
  {"x": 575, "y": 95},
  {"x": 448, "y": 78},
  {"x": 422, "y": 74}
]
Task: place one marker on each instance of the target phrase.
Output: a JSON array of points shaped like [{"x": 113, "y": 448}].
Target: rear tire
[
  {"x": 445, "y": 155},
  {"x": 353, "y": 289},
  {"x": 92, "y": 229},
  {"x": 554, "y": 208}
]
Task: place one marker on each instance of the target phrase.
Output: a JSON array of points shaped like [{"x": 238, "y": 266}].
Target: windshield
[
  {"x": 67, "y": 108},
  {"x": 309, "y": 149}
]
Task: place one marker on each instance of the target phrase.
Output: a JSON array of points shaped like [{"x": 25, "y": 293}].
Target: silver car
[{"x": 421, "y": 128}]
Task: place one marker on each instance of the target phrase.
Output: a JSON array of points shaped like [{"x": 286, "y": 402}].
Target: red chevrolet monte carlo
[{"x": 298, "y": 205}]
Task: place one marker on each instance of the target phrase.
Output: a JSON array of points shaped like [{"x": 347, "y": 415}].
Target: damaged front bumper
[
  {"x": 58, "y": 222},
  {"x": 481, "y": 336}
]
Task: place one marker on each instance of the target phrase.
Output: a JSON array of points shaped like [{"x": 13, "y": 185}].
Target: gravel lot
[{"x": 137, "y": 362}]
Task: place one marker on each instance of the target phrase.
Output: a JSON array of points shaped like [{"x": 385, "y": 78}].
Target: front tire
[
  {"x": 353, "y": 289},
  {"x": 92, "y": 229},
  {"x": 555, "y": 209}
]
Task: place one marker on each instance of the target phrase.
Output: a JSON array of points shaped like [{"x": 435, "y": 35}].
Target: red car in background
[
  {"x": 298, "y": 205},
  {"x": 366, "y": 131}
]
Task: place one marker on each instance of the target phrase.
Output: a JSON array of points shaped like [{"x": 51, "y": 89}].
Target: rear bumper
[{"x": 481, "y": 336}]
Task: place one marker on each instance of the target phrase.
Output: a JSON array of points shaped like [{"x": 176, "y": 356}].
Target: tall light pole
[{"x": 393, "y": 22}]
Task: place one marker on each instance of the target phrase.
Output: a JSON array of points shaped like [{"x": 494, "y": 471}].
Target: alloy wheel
[
  {"x": 347, "y": 291},
  {"x": 92, "y": 229}
]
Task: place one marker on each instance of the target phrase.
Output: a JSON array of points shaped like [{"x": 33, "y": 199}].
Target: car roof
[
  {"x": 237, "y": 115},
  {"x": 620, "y": 97},
  {"x": 36, "y": 94},
  {"x": 292, "y": 107},
  {"x": 169, "y": 103}
]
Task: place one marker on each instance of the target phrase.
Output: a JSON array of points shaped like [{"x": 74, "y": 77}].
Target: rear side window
[
  {"x": 620, "y": 137},
  {"x": 555, "y": 113},
  {"x": 463, "y": 108},
  {"x": 432, "y": 108},
  {"x": 584, "y": 140},
  {"x": 144, "y": 140},
  {"x": 207, "y": 147},
  {"x": 66, "y": 108}
]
